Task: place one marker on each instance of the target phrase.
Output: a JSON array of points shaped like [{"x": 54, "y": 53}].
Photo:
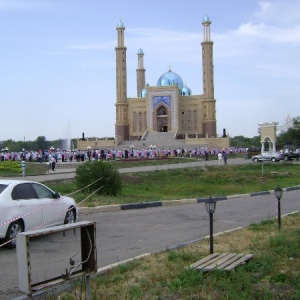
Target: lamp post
[
  {"x": 210, "y": 206},
  {"x": 278, "y": 194}
]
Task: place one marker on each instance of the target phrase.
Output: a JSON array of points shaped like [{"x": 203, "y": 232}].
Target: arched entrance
[
  {"x": 268, "y": 136},
  {"x": 162, "y": 119}
]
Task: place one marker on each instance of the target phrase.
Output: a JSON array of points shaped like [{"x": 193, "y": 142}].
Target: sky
[{"x": 58, "y": 61}]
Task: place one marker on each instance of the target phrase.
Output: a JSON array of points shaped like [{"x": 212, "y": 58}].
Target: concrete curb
[{"x": 117, "y": 207}]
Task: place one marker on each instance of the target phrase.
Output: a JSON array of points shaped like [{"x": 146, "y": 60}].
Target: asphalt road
[{"x": 125, "y": 234}]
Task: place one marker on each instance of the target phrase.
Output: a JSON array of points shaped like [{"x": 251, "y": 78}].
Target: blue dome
[
  {"x": 186, "y": 91},
  {"x": 140, "y": 51},
  {"x": 143, "y": 93},
  {"x": 206, "y": 19},
  {"x": 120, "y": 24},
  {"x": 170, "y": 78}
]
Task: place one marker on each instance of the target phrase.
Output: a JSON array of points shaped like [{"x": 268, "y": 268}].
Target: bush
[
  {"x": 99, "y": 175},
  {"x": 8, "y": 165}
]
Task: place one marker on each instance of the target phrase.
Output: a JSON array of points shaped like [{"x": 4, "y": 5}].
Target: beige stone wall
[
  {"x": 199, "y": 109},
  {"x": 215, "y": 142},
  {"x": 137, "y": 105},
  {"x": 95, "y": 144},
  {"x": 190, "y": 103},
  {"x": 268, "y": 131}
]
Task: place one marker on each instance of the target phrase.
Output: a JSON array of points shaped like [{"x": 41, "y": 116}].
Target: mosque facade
[{"x": 169, "y": 106}]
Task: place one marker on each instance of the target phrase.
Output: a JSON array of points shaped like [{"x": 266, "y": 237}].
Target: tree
[
  {"x": 291, "y": 137},
  {"x": 100, "y": 176},
  {"x": 243, "y": 142},
  {"x": 42, "y": 143}
]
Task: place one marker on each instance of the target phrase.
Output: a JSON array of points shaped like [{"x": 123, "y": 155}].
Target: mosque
[{"x": 169, "y": 106}]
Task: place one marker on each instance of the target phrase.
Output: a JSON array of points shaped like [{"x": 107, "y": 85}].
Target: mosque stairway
[{"x": 162, "y": 140}]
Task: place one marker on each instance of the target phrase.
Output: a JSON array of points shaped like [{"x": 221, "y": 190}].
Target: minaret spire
[
  {"x": 209, "y": 103},
  {"x": 208, "y": 68},
  {"x": 140, "y": 73},
  {"x": 122, "y": 127}
]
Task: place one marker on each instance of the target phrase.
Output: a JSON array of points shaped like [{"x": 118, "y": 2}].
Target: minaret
[
  {"x": 122, "y": 127},
  {"x": 208, "y": 81},
  {"x": 207, "y": 60},
  {"x": 140, "y": 73}
]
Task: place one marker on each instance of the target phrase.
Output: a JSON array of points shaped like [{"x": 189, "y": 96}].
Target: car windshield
[{"x": 3, "y": 187}]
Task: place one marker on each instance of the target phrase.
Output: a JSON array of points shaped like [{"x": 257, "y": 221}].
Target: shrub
[
  {"x": 98, "y": 175},
  {"x": 12, "y": 166}
]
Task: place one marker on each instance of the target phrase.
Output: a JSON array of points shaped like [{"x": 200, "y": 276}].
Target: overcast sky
[{"x": 57, "y": 61}]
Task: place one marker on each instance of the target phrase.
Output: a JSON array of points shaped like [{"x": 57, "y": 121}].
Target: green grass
[
  {"x": 193, "y": 183},
  {"x": 119, "y": 164},
  {"x": 272, "y": 274},
  {"x": 13, "y": 168}
]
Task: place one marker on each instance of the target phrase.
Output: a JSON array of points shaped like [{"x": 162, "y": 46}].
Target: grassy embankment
[
  {"x": 194, "y": 183},
  {"x": 183, "y": 183}
]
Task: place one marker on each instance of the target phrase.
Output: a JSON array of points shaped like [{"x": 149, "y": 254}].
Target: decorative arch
[
  {"x": 162, "y": 116},
  {"x": 268, "y": 136}
]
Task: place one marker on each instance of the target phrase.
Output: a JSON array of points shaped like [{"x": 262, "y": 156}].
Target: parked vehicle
[
  {"x": 268, "y": 156},
  {"x": 249, "y": 152},
  {"x": 27, "y": 205},
  {"x": 290, "y": 155}
]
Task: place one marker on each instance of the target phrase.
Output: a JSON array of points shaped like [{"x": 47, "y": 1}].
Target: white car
[{"x": 28, "y": 205}]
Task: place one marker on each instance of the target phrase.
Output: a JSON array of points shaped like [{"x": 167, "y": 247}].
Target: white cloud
[{"x": 285, "y": 12}]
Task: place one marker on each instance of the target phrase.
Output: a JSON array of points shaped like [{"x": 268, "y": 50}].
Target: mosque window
[
  {"x": 145, "y": 120},
  {"x": 189, "y": 127},
  {"x": 183, "y": 124},
  {"x": 134, "y": 122},
  {"x": 140, "y": 121},
  {"x": 195, "y": 119}
]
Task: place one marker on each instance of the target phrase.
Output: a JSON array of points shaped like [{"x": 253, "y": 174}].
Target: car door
[
  {"x": 28, "y": 205},
  {"x": 52, "y": 208},
  {"x": 267, "y": 156}
]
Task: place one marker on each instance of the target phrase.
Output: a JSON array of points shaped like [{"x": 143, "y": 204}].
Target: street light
[
  {"x": 278, "y": 194},
  {"x": 210, "y": 206}
]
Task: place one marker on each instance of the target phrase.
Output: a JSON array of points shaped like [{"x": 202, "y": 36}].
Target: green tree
[
  {"x": 100, "y": 176},
  {"x": 291, "y": 137},
  {"x": 244, "y": 142},
  {"x": 42, "y": 143}
]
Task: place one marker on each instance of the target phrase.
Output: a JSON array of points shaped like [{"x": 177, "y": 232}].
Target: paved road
[{"x": 126, "y": 234}]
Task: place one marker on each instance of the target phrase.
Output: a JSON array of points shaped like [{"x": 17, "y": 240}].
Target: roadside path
[{"x": 69, "y": 173}]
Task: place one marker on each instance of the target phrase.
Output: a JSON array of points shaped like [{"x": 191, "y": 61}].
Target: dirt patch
[{"x": 131, "y": 178}]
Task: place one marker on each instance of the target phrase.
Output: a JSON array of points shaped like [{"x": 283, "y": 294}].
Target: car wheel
[
  {"x": 255, "y": 159},
  {"x": 11, "y": 234},
  {"x": 70, "y": 216},
  {"x": 273, "y": 159}
]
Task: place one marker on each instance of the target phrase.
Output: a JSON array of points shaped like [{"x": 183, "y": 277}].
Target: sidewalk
[{"x": 70, "y": 172}]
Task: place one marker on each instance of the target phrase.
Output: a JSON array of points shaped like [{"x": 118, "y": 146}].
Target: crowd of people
[{"x": 113, "y": 154}]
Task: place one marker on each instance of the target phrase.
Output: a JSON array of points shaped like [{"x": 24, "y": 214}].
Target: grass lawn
[
  {"x": 192, "y": 183},
  {"x": 272, "y": 274}
]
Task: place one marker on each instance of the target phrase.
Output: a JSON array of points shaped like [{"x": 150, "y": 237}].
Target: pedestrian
[
  {"x": 53, "y": 163},
  {"x": 220, "y": 157},
  {"x": 23, "y": 167},
  {"x": 225, "y": 157}
]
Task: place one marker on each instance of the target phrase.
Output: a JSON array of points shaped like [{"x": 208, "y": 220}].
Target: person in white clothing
[{"x": 220, "y": 158}]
